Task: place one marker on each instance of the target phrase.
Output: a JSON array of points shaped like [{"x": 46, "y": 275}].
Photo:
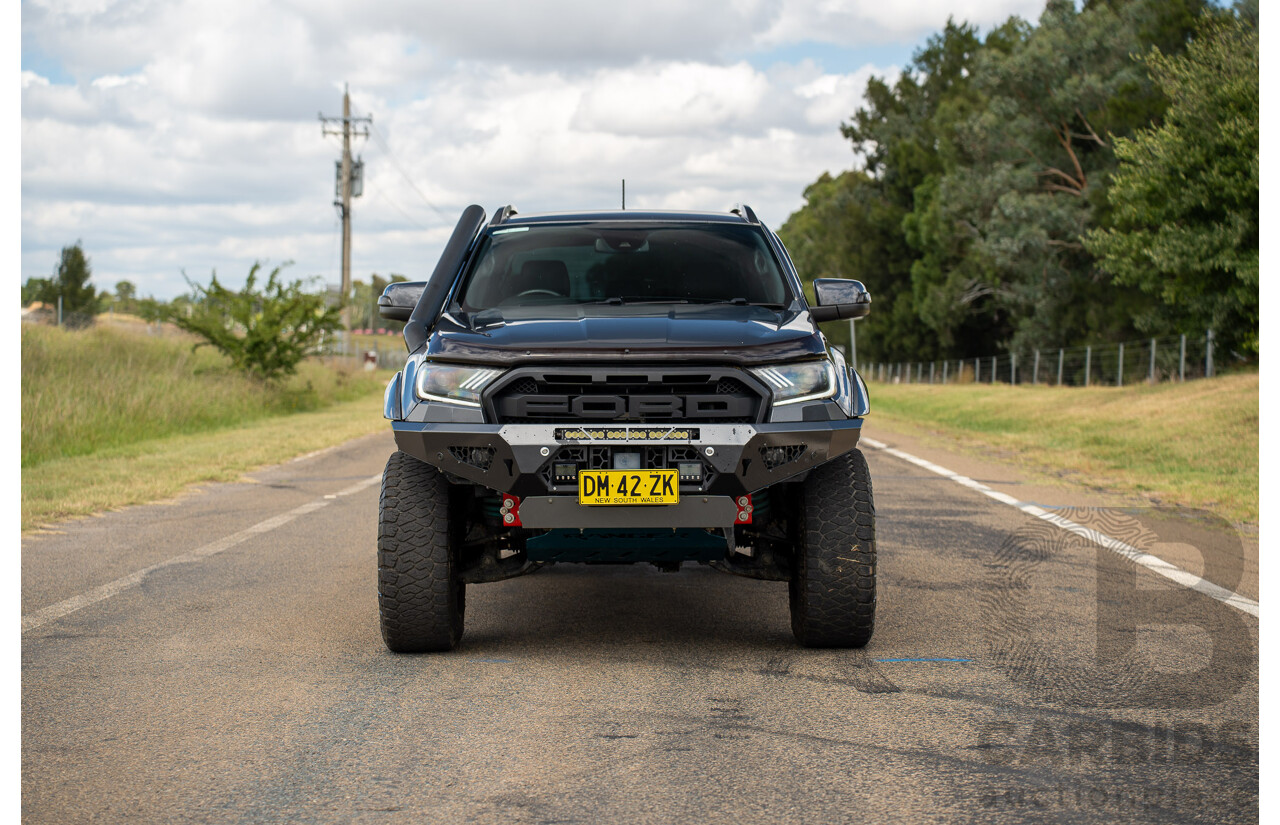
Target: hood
[{"x": 711, "y": 333}]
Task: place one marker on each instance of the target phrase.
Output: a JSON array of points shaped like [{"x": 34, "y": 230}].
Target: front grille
[
  {"x": 585, "y": 457},
  {"x": 627, "y": 396}
]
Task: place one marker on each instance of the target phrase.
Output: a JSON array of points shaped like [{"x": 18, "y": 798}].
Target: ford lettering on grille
[{"x": 612, "y": 407}]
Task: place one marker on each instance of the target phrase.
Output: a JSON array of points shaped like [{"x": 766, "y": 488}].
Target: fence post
[
  {"x": 945, "y": 364},
  {"x": 931, "y": 366},
  {"x": 977, "y": 369},
  {"x": 1088, "y": 362},
  {"x": 1151, "y": 370},
  {"x": 1035, "y": 370},
  {"x": 1060, "y": 367},
  {"x": 1120, "y": 368},
  {"x": 59, "y": 310},
  {"x": 1013, "y": 368},
  {"x": 993, "y": 369},
  {"x": 1208, "y": 354},
  {"x": 959, "y": 369},
  {"x": 1182, "y": 358}
]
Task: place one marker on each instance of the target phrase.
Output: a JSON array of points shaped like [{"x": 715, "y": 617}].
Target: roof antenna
[{"x": 624, "y": 194}]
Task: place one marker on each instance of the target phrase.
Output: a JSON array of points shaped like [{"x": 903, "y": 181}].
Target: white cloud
[
  {"x": 869, "y": 22},
  {"x": 188, "y": 137},
  {"x": 673, "y": 99},
  {"x": 827, "y": 99},
  {"x": 112, "y": 81}
]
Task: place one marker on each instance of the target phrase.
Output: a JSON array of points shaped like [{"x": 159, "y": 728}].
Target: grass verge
[
  {"x": 1193, "y": 444},
  {"x": 113, "y": 416},
  {"x": 162, "y": 468},
  {"x": 91, "y": 390}
]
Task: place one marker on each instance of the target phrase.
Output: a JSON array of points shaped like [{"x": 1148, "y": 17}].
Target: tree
[
  {"x": 126, "y": 295},
  {"x": 1185, "y": 198},
  {"x": 1039, "y": 161},
  {"x": 70, "y": 282},
  {"x": 33, "y": 288},
  {"x": 265, "y": 332},
  {"x": 848, "y": 228},
  {"x": 984, "y": 165},
  {"x": 364, "y": 309}
]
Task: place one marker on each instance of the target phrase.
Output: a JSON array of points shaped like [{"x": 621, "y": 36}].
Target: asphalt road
[{"x": 1016, "y": 675}]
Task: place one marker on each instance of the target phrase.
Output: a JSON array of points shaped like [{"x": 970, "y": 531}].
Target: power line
[
  {"x": 384, "y": 196},
  {"x": 382, "y": 141}
]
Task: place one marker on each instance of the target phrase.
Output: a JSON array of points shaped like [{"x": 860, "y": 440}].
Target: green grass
[
  {"x": 161, "y": 468},
  {"x": 1192, "y": 444},
  {"x": 88, "y": 391},
  {"x": 113, "y": 417}
]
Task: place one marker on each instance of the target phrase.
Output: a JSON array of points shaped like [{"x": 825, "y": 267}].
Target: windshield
[{"x": 623, "y": 263}]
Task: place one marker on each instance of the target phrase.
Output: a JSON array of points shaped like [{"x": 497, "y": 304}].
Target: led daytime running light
[
  {"x": 794, "y": 383},
  {"x": 465, "y": 393}
]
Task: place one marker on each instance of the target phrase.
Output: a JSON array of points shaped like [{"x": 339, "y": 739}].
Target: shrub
[{"x": 264, "y": 332}]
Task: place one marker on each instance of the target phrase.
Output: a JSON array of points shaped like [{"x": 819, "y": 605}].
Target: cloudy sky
[{"x": 182, "y": 135}]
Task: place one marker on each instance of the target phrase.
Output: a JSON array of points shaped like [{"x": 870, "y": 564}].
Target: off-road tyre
[
  {"x": 833, "y": 583},
  {"x": 420, "y": 596}
]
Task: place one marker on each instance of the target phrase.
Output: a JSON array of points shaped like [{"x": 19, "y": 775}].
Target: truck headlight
[
  {"x": 452, "y": 385},
  {"x": 793, "y": 383}
]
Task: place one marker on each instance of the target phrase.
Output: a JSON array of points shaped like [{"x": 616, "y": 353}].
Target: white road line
[
  {"x": 68, "y": 606},
  {"x": 1152, "y": 563}
]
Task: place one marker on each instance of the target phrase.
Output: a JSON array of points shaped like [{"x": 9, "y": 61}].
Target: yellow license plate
[{"x": 628, "y": 487}]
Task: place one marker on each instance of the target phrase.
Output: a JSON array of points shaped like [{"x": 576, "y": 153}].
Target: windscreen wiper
[
  {"x": 630, "y": 300},
  {"x": 738, "y": 302}
]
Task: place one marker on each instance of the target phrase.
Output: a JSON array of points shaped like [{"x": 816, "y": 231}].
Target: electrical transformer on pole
[{"x": 350, "y": 184}]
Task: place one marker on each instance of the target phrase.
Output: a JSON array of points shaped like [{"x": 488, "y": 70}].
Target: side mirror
[
  {"x": 839, "y": 298},
  {"x": 397, "y": 301}
]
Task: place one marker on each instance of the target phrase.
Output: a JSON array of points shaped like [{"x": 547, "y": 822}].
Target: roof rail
[
  {"x": 502, "y": 214},
  {"x": 747, "y": 213}
]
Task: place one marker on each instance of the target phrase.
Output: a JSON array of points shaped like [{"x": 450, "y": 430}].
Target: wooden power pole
[{"x": 350, "y": 184}]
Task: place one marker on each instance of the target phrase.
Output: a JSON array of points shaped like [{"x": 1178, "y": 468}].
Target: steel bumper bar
[{"x": 509, "y": 457}]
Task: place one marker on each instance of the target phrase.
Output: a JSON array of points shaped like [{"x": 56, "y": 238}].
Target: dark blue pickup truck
[{"x": 623, "y": 387}]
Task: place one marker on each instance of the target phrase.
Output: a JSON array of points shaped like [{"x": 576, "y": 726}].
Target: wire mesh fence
[
  {"x": 1149, "y": 360},
  {"x": 387, "y": 352}
]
